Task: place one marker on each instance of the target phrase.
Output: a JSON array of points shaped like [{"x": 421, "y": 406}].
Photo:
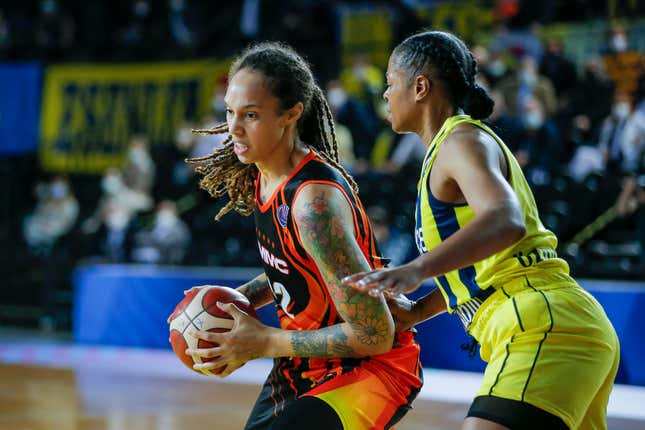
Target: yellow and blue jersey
[{"x": 437, "y": 220}]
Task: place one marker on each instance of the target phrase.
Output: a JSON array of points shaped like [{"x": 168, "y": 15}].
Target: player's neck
[
  {"x": 433, "y": 118},
  {"x": 284, "y": 160}
]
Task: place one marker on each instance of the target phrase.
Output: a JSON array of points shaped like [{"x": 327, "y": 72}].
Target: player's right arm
[{"x": 257, "y": 290}]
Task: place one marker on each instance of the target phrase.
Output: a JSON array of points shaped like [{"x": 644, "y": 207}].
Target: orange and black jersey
[
  {"x": 304, "y": 303},
  {"x": 298, "y": 287}
]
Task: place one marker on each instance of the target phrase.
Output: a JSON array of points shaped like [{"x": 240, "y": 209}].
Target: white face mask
[
  {"x": 497, "y": 68},
  {"x": 621, "y": 110},
  {"x": 111, "y": 184},
  {"x": 336, "y": 98},
  {"x": 138, "y": 155},
  {"x": 528, "y": 77},
  {"x": 117, "y": 220},
  {"x": 360, "y": 71},
  {"x": 184, "y": 138},
  {"x": 619, "y": 43},
  {"x": 58, "y": 190},
  {"x": 533, "y": 120},
  {"x": 165, "y": 219}
]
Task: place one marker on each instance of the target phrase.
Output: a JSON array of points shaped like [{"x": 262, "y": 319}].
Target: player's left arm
[
  {"x": 325, "y": 224},
  {"x": 473, "y": 161},
  {"x": 326, "y": 228}
]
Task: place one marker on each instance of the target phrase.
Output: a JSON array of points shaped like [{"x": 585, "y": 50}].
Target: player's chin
[
  {"x": 245, "y": 159},
  {"x": 394, "y": 124}
]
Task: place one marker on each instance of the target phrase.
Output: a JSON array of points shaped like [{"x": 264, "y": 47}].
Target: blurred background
[
  {"x": 101, "y": 218},
  {"x": 102, "y": 223}
]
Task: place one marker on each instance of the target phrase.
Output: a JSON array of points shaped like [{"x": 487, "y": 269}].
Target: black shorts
[{"x": 514, "y": 414}]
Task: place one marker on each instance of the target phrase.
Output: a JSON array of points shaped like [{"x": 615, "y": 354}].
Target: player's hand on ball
[
  {"x": 391, "y": 282},
  {"x": 247, "y": 340}
]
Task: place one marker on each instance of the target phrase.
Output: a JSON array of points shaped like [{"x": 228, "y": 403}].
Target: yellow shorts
[{"x": 550, "y": 344}]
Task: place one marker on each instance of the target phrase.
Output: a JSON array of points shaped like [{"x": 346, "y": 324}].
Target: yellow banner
[
  {"x": 90, "y": 111},
  {"x": 365, "y": 31}
]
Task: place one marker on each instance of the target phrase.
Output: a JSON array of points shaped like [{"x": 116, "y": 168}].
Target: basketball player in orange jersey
[
  {"x": 338, "y": 362},
  {"x": 552, "y": 353}
]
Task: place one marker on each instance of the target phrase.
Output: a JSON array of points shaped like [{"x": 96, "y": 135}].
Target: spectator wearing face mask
[
  {"x": 525, "y": 84},
  {"x": 539, "y": 148},
  {"x": 623, "y": 64},
  {"x": 336, "y": 98},
  {"x": 587, "y": 156},
  {"x": 360, "y": 121},
  {"x": 559, "y": 69},
  {"x": 54, "y": 216},
  {"x": 362, "y": 80},
  {"x": 116, "y": 194},
  {"x": 165, "y": 241},
  {"x": 139, "y": 169},
  {"x": 612, "y": 133}
]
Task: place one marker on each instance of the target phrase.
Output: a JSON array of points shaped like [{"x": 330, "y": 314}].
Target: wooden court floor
[{"x": 51, "y": 398}]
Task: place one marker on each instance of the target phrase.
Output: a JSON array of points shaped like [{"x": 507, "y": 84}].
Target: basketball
[{"x": 198, "y": 310}]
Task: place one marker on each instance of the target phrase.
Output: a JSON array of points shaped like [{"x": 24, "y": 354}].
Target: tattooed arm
[
  {"x": 326, "y": 228},
  {"x": 257, "y": 290}
]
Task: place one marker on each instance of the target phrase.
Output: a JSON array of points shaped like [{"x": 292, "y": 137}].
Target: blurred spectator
[
  {"x": 142, "y": 34},
  {"x": 495, "y": 68},
  {"x": 182, "y": 172},
  {"x": 526, "y": 83},
  {"x": 394, "y": 245},
  {"x": 54, "y": 215},
  {"x": 113, "y": 239},
  {"x": 182, "y": 25},
  {"x": 117, "y": 201},
  {"x": 362, "y": 79},
  {"x": 593, "y": 94},
  {"x": 612, "y": 136},
  {"x": 139, "y": 169},
  {"x": 539, "y": 145},
  {"x": 632, "y": 201},
  {"x": 521, "y": 42},
  {"x": 507, "y": 126},
  {"x": 165, "y": 241},
  {"x": 482, "y": 57},
  {"x": 587, "y": 157},
  {"x": 634, "y": 140},
  {"x": 556, "y": 67},
  {"x": 624, "y": 65},
  {"x": 53, "y": 30},
  {"x": 409, "y": 150},
  {"x": 336, "y": 98},
  {"x": 358, "y": 116}
]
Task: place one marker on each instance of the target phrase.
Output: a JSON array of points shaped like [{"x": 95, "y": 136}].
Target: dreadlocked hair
[
  {"x": 453, "y": 62},
  {"x": 289, "y": 78}
]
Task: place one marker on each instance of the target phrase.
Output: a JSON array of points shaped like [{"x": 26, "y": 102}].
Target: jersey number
[{"x": 282, "y": 297}]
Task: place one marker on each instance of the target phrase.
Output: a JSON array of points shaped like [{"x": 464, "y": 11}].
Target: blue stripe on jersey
[
  {"x": 452, "y": 299},
  {"x": 447, "y": 224}
]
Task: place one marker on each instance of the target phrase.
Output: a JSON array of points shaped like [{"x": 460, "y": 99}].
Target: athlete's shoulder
[{"x": 469, "y": 139}]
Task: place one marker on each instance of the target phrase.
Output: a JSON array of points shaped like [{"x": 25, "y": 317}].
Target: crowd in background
[{"x": 578, "y": 131}]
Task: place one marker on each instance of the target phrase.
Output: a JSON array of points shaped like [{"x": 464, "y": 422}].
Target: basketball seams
[{"x": 198, "y": 312}]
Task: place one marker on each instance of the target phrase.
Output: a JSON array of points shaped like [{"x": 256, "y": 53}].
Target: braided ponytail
[{"x": 453, "y": 62}]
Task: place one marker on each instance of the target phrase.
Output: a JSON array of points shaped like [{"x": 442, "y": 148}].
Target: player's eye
[{"x": 251, "y": 115}]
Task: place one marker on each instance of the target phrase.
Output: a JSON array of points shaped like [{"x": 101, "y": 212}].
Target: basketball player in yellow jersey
[{"x": 552, "y": 353}]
